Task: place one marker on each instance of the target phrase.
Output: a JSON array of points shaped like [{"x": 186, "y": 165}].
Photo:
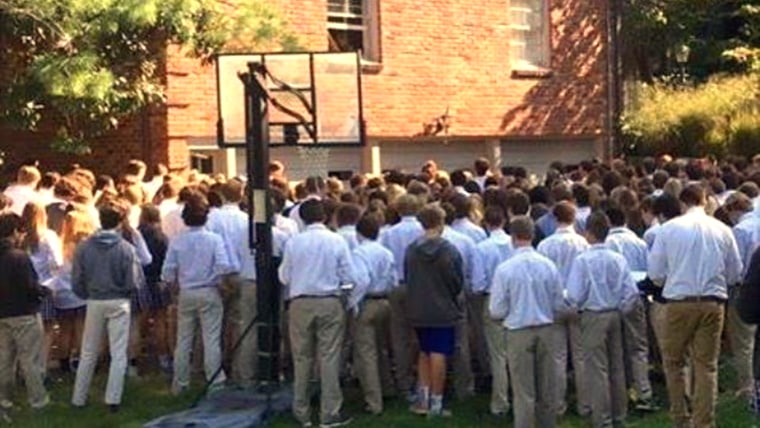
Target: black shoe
[
  {"x": 113, "y": 408},
  {"x": 338, "y": 420}
]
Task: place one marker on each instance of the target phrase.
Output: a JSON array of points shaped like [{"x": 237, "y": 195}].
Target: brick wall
[{"x": 449, "y": 54}]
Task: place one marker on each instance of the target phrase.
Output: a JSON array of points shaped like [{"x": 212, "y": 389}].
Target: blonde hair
[
  {"x": 28, "y": 175},
  {"x": 34, "y": 219},
  {"x": 77, "y": 226}
]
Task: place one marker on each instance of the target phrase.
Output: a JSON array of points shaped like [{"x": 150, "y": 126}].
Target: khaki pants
[
  {"x": 603, "y": 351},
  {"x": 403, "y": 341},
  {"x": 369, "y": 329},
  {"x": 21, "y": 340},
  {"x": 230, "y": 293},
  {"x": 658, "y": 319},
  {"x": 567, "y": 337},
  {"x": 699, "y": 325},
  {"x": 200, "y": 306},
  {"x": 113, "y": 318},
  {"x": 244, "y": 360},
  {"x": 742, "y": 337},
  {"x": 496, "y": 339},
  {"x": 637, "y": 350},
  {"x": 317, "y": 326},
  {"x": 478, "y": 348},
  {"x": 530, "y": 359},
  {"x": 464, "y": 379}
]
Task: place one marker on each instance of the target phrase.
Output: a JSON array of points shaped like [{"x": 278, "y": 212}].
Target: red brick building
[{"x": 524, "y": 82}]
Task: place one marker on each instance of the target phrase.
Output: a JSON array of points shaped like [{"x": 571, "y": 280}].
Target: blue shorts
[{"x": 436, "y": 340}]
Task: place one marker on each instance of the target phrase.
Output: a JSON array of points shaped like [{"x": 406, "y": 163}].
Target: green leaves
[
  {"x": 715, "y": 117},
  {"x": 88, "y": 64}
]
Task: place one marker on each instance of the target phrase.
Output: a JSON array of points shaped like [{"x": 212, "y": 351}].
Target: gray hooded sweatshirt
[
  {"x": 434, "y": 281},
  {"x": 105, "y": 267}
]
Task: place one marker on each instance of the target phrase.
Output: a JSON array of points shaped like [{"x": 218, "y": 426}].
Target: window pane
[
  {"x": 345, "y": 40},
  {"x": 353, "y": 7},
  {"x": 528, "y": 44}
]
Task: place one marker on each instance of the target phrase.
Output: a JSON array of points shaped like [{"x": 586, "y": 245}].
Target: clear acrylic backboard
[{"x": 323, "y": 87}]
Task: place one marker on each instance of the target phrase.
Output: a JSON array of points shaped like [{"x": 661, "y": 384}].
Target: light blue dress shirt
[
  {"x": 48, "y": 258},
  {"x": 397, "y": 239},
  {"x": 600, "y": 280},
  {"x": 747, "y": 234},
  {"x": 378, "y": 264},
  {"x": 196, "y": 258},
  {"x": 562, "y": 248},
  {"x": 695, "y": 255},
  {"x": 650, "y": 235},
  {"x": 465, "y": 226},
  {"x": 495, "y": 250},
  {"x": 473, "y": 268},
  {"x": 247, "y": 256},
  {"x": 349, "y": 234},
  {"x": 625, "y": 242},
  {"x": 229, "y": 222},
  {"x": 526, "y": 291},
  {"x": 317, "y": 262}
]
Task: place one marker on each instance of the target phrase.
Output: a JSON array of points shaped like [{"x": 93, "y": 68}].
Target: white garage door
[
  {"x": 410, "y": 156},
  {"x": 298, "y": 167},
  {"x": 535, "y": 156}
]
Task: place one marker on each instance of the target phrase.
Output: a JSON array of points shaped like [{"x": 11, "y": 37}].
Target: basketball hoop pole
[{"x": 260, "y": 222}]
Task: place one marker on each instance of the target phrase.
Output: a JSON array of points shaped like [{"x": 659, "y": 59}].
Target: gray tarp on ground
[{"x": 229, "y": 409}]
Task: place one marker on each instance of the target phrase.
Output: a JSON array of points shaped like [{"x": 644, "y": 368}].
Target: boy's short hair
[
  {"x": 112, "y": 213},
  {"x": 312, "y": 211},
  {"x": 347, "y": 214},
  {"x": 195, "y": 211},
  {"x": 369, "y": 226},
  {"x": 564, "y": 212},
  {"x": 9, "y": 224},
  {"x": 494, "y": 217},
  {"x": 523, "y": 228},
  {"x": 431, "y": 217},
  {"x": 598, "y": 225}
]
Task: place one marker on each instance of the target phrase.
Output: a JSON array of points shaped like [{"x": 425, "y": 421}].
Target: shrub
[{"x": 719, "y": 117}]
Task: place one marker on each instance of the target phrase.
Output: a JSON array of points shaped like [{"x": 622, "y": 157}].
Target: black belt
[
  {"x": 376, "y": 297},
  {"x": 599, "y": 311},
  {"x": 697, "y": 299},
  {"x": 316, "y": 296}
]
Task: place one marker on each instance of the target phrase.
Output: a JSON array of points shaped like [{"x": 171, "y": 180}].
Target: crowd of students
[{"x": 596, "y": 271}]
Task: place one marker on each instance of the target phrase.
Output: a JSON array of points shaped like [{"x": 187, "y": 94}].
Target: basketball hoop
[{"x": 313, "y": 160}]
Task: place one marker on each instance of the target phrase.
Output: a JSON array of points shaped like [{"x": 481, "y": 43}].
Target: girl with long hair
[
  {"x": 46, "y": 252},
  {"x": 70, "y": 309}
]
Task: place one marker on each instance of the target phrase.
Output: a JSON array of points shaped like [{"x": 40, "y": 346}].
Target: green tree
[
  {"x": 86, "y": 65},
  {"x": 720, "y": 33}
]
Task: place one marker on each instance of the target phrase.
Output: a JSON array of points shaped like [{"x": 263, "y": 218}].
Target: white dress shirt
[
  {"x": 229, "y": 222},
  {"x": 623, "y": 241},
  {"x": 526, "y": 291},
  {"x": 317, "y": 262},
  {"x": 21, "y": 195},
  {"x": 465, "y": 226},
  {"x": 562, "y": 247},
  {"x": 378, "y": 264},
  {"x": 473, "y": 268},
  {"x": 600, "y": 280},
  {"x": 397, "y": 239},
  {"x": 495, "y": 250},
  {"x": 695, "y": 255}
]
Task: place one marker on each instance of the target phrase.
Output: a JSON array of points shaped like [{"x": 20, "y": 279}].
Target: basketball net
[{"x": 314, "y": 160}]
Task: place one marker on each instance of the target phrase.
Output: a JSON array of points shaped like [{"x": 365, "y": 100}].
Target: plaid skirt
[
  {"x": 151, "y": 297},
  {"x": 47, "y": 310}
]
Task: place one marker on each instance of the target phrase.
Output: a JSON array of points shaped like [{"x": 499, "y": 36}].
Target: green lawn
[{"x": 149, "y": 397}]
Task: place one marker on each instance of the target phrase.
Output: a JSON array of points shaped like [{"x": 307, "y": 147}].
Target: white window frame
[
  {"x": 370, "y": 27},
  {"x": 523, "y": 64}
]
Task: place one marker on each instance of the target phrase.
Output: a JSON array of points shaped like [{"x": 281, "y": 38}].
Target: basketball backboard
[{"x": 323, "y": 88}]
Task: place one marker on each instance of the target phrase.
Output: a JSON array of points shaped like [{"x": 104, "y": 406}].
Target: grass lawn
[{"x": 149, "y": 397}]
